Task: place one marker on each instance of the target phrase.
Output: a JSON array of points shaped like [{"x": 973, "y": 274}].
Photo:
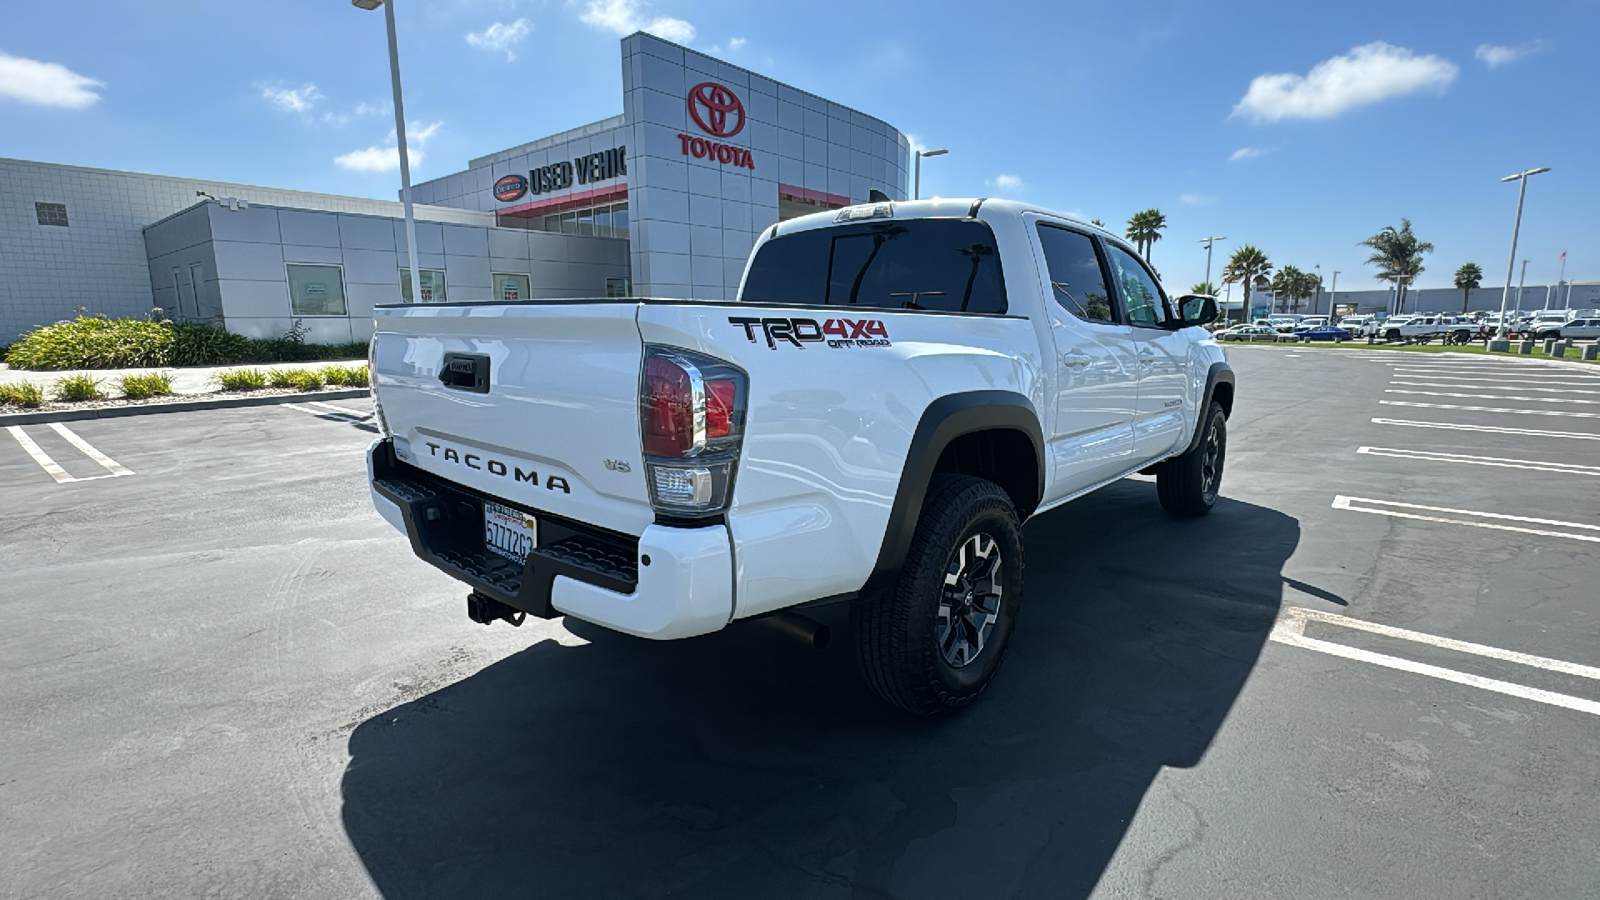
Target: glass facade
[{"x": 604, "y": 220}]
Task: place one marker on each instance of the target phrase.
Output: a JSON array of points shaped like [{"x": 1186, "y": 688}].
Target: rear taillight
[{"x": 691, "y": 418}]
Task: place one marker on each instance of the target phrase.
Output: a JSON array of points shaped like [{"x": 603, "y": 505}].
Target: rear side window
[
  {"x": 1076, "y": 278},
  {"x": 950, "y": 265}
]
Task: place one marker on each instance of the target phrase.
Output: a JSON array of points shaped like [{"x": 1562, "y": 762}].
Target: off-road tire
[
  {"x": 1184, "y": 486},
  {"x": 895, "y": 632}
]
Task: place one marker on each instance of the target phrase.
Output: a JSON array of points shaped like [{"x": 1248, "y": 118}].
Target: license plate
[{"x": 509, "y": 532}]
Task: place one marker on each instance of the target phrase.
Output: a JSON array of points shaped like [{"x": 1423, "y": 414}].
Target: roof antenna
[{"x": 877, "y": 196}]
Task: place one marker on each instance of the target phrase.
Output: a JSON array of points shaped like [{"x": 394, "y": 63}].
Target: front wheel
[
  {"x": 934, "y": 642},
  {"x": 1187, "y": 485}
]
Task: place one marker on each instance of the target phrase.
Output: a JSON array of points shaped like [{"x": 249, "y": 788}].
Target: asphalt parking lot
[{"x": 1371, "y": 672}]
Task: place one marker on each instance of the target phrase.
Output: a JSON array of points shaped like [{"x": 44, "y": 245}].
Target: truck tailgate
[{"x": 552, "y": 425}]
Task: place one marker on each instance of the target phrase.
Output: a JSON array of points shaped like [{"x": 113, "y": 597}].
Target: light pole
[
  {"x": 1208, "y": 241},
  {"x": 400, "y": 137},
  {"x": 1516, "y": 226},
  {"x": 1316, "y": 299},
  {"x": 916, "y": 190},
  {"x": 1333, "y": 294},
  {"x": 1562, "y": 277},
  {"x": 1520, "y": 279}
]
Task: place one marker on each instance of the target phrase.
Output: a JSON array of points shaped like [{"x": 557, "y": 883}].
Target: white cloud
[
  {"x": 501, "y": 37},
  {"x": 736, "y": 43},
  {"x": 1197, "y": 199},
  {"x": 387, "y": 159},
  {"x": 1495, "y": 56},
  {"x": 45, "y": 84},
  {"x": 1245, "y": 153},
  {"x": 371, "y": 109},
  {"x": 295, "y": 100},
  {"x": 1367, "y": 74},
  {"x": 623, "y": 17},
  {"x": 1008, "y": 184}
]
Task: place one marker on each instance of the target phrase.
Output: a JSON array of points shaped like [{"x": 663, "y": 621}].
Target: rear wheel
[
  {"x": 1393, "y": 335},
  {"x": 934, "y": 642},
  {"x": 1187, "y": 485}
]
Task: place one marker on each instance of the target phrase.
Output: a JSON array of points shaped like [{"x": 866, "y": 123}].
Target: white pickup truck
[{"x": 898, "y": 388}]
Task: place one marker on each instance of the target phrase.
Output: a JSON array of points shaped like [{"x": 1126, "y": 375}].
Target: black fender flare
[
  {"x": 946, "y": 419},
  {"x": 1219, "y": 373}
]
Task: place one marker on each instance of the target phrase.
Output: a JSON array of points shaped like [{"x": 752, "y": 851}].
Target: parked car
[
  {"x": 1579, "y": 329},
  {"x": 1254, "y": 334},
  {"x": 666, "y": 467},
  {"x": 1311, "y": 322},
  {"x": 1284, "y": 322},
  {"x": 1355, "y": 323},
  {"x": 1324, "y": 333}
]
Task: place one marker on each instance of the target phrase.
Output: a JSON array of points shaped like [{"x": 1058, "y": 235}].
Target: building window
[
  {"x": 432, "y": 285},
  {"x": 603, "y": 220},
  {"x": 509, "y": 287},
  {"x": 618, "y": 286},
  {"x": 51, "y": 213},
  {"x": 316, "y": 290}
]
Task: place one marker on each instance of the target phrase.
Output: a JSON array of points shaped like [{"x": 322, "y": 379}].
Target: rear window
[{"x": 950, "y": 265}]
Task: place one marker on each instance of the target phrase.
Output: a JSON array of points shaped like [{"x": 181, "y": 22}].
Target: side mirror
[{"x": 1194, "y": 309}]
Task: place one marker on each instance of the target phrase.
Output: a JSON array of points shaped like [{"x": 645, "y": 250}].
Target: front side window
[
  {"x": 949, "y": 265},
  {"x": 432, "y": 285},
  {"x": 316, "y": 290},
  {"x": 1140, "y": 296},
  {"x": 1076, "y": 279},
  {"x": 510, "y": 287}
]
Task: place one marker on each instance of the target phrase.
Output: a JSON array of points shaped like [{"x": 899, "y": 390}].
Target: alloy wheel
[{"x": 969, "y": 603}]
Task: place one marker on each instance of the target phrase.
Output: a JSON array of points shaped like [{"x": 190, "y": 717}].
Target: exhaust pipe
[
  {"x": 801, "y": 628},
  {"x": 486, "y": 610}
]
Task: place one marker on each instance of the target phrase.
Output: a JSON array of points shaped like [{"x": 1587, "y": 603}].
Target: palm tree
[
  {"x": 1204, "y": 287},
  {"x": 1246, "y": 265},
  {"x": 1285, "y": 284},
  {"x": 1144, "y": 229},
  {"x": 1097, "y": 223},
  {"x": 1398, "y": 256},
  {"x": 1469, "y": 276}
]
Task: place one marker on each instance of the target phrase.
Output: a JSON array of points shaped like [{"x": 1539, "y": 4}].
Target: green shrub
[
  {"x": 346, "y": 376},
  {"x": 24, "y": 394},
  {"x": 208, "y": 345},
  {"x": 241, "y": 379},
  {"x": 299, "y": 379},
  {"x": 93, "y": 342},
  {"x": 143, "y": 387},
  {"x": 77, "y": 388}
]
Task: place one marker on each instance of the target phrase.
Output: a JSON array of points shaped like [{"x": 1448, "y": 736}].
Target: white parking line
[
  {"x": 1519, "y": 387},
  {"x": 1290, "y": 630},
  {"x": 326, "y": 411},
  {"x": 336, "y": 408},
  {"x": 1491, "y": 429},
  {"x": 1560, "y": 376},
  {"x": 39, "y": 456},
  {"x": 54, "y": 469},
  {"x": 1492, "y": 409},
  {"x": 106, "y": 462},
  {"x": 1493, "y": 396},
  {"x": 1463, "y": 459},
  {"x": 1351, "y": 504}
]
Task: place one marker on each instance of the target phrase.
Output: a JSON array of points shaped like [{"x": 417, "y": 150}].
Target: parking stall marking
[
  {"x": 1547, "y": 376},
  {"x": 1490, "y": 429},
  {"x": 1493, "y": 396},
  {"x": 1290, "y": 630},
  {"x": 114, "y": 468},
  {"x": 1464, "y": 459},
  {"x": 1493, "y": 409},
  {"x": 1397, "y": 510},
  {"x": 1519, "y": 387},
  {"x": 331, "y": 413}
]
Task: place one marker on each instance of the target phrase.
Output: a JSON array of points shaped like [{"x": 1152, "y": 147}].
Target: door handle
[{"x": 1076, "y": 358}]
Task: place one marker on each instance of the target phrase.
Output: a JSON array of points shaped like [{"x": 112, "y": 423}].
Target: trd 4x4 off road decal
[{"x": 835, "y": 333}]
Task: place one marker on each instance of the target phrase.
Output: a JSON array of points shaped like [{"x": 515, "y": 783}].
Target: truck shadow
[{"x": 742, "y": 765}]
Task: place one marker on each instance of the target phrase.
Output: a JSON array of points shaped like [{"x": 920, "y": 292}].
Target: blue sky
[{"x": 1299, "y": 131}]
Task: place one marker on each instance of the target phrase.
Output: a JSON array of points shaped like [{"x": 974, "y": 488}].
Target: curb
[{"x": 118, "y": 412}]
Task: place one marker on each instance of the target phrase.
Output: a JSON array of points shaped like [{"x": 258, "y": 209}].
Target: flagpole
[{"x": 1562, "y": 277}]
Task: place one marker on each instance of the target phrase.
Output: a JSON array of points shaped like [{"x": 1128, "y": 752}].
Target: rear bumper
[{"x": 668, "y": 583}]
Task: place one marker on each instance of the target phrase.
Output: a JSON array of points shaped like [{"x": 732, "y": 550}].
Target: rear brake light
[{"x": 691, "y": 422}]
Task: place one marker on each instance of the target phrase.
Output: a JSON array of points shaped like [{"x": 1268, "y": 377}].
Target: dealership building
[{"x": 663, "y": 200}]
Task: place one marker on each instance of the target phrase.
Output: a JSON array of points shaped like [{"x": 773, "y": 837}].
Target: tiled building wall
[
  {"x": 250, "y": 249},
  {"x": 694, "y": 219},
  {"x": 99, "y": 260},
  {"x": 473, "y": 189}
]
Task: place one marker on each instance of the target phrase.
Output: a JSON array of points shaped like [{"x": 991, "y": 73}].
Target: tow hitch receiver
[{"x": 485, "y": 610}]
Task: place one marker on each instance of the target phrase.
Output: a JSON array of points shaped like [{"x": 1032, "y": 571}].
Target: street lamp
[
  {"x": 916, "y": 190},
  {"x": 400, "y": 137},
  {"x": 1520, "y": 279},
  {"x": 1316, "y": 301},
  {"x": 1516, "y": 226},
  {"x": 1333, "y": 294},
  {"x": 1208, "y": 241}
]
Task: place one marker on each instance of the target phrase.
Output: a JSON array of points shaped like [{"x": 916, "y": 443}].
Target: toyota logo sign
[
  {"x": 718, "y": 103},
  {"x": 510, "y": 188}
]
